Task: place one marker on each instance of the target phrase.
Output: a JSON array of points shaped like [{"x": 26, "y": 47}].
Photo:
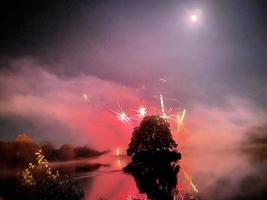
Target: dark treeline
[
  {"x": 17, "y": 154},
  {"x": 255, "y": 145}
]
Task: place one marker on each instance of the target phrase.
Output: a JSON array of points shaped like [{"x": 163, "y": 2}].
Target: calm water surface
[{"x": 212, "y": 174}]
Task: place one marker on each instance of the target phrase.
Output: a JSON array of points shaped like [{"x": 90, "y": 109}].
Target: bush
[{"x": 38, "y": 181}]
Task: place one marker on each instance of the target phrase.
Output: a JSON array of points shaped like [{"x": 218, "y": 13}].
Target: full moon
[{"x": 194, "y": 18}]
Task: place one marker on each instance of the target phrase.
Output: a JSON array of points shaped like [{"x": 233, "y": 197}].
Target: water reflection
[
  {"x": 220, "y": 175},
  {"x": 156, "y": 177}
]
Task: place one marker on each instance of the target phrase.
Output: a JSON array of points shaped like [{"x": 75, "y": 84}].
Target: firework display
[
  {"x": 121, "y": 114},
  {"x": 142, "y": 111},
  {"x": 125, "y": 116},
  {"x": 176, "y": 118}
]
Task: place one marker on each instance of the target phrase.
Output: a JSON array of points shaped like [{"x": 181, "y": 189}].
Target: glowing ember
[{"x": 85, "y": 97}]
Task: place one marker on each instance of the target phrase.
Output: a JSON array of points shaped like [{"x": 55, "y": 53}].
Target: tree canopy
[{"x": 153, "y": 135}]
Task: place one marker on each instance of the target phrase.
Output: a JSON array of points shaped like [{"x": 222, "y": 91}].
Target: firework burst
[
  {"x": 121, "y": 115},
  {"x": 142, "y": 111}
]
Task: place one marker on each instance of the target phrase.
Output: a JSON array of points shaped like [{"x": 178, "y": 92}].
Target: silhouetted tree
[
  {"x": 49, "y": 151},
  {"x": 17, "y": 154},
  {"x": 24, "y": 152},
  {"x": 66, "y": 152},
  {"x": 154, "y": 160},
  {"x": 85, "y": 151},
  {"x": 153, "y": 135}
]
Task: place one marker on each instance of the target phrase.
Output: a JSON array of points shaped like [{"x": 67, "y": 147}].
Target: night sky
[{"x": 53, "y": 52}]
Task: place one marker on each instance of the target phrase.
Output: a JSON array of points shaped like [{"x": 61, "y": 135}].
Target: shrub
[{"x": 39, "y": 181}]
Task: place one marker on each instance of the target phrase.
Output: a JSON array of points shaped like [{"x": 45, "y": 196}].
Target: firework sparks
[
  {"x": 180, "y": 118},
  {"x": 142, "y": 111},
  {"x": 189, "y": 179},
  {"x": 164, "y": 113},
  {"x": 118, "y": 151},
  {"x": 162, "y": 80},
  {"x": 121, "y": 115},
  {"x": 119, "y": 163},
  {"x": 164, "y": 116},
  {"x": 85, "y": 96}
]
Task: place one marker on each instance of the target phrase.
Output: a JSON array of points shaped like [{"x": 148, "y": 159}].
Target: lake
[{"x": 211, "y": 174}]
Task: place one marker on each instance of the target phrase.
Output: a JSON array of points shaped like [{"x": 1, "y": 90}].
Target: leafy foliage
[
  {"x": 153, "y": 135},
  {"x": 39, "y": 181}
]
